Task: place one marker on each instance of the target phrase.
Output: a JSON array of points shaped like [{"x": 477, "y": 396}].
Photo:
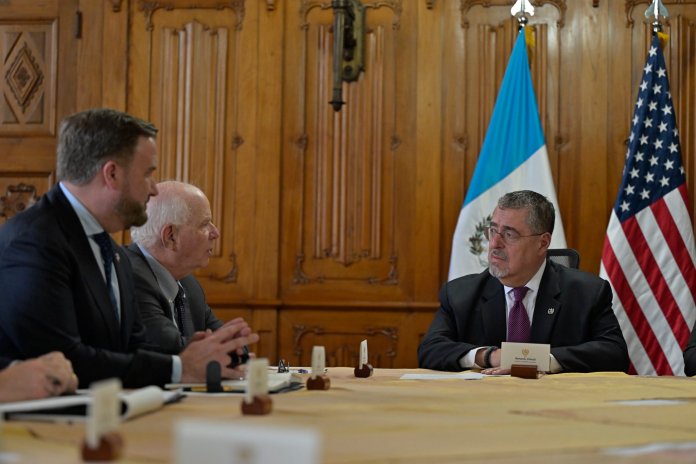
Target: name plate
[
  {"x": 526, "y": 354},
  {"x": 104, "y": 412},
  {"x": 236, "y": 443}
]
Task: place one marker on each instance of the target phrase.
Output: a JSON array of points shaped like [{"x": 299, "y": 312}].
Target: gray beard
[{"x": 497, "y": 273}]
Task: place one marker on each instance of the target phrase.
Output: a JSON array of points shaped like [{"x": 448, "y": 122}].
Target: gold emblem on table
[{"x": 525, "y": 352}]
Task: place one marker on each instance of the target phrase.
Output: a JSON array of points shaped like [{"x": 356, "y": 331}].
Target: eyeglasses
[{"x": 509, "y": 236}]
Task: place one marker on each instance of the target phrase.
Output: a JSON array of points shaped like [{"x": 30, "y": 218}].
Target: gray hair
[
  {"x": 170, "y": 206},
  {"x": 541, "y": 217},
  {"x": 88, "y": 139}
]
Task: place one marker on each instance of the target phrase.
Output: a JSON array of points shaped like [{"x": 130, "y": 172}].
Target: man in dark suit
[
  {"x": 67, "y": 287},
  {"x": 523, "y": 297},
  {"x": 690, "y": 355},
  {"x": 177, "y": 239}
]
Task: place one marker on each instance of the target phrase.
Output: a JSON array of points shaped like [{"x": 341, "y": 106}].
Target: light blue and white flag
[{"x": 513, "y": 157}]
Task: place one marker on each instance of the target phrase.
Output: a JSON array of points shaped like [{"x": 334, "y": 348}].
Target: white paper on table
[{"x": 458, "y": 375}]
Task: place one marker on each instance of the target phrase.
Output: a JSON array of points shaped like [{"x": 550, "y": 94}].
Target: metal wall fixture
[{"x": 348, "y": 46}]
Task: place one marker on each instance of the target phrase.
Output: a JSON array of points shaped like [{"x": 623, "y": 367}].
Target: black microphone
[{"x": 238, "y": 359}]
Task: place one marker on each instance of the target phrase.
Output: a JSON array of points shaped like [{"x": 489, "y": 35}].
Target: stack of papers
[{"x": 276, "y": 383}]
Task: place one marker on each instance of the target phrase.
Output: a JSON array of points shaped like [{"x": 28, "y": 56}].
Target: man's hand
[
  {"x": 233, "y": 336},
  {"x": 47, "y": 375},
  {"x": 495, "y": 363}
]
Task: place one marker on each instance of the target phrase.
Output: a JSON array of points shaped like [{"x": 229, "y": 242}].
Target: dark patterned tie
[
  {"x": 107, "y": 253},
  {"x": 518, "y": 320},
  {"x": 183, "y": 317}
]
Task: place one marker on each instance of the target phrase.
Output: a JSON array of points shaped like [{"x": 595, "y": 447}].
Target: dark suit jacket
[
  {"x": 582, "y": 330},
  {"x": 155, "y": 310},
  {"x": 690, "y": 355},
  {"x": 54, "y": 298}
]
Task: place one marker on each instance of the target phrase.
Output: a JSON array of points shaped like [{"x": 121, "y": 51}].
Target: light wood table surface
[{"x": 563, "y": 418}]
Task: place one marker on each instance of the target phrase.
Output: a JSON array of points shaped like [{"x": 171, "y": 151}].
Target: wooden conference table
[{"x": 564, "y": 418}]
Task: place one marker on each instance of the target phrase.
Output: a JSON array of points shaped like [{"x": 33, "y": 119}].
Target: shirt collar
[
  {"x": 534, "y": 282},
  {"x": 89, "y": 224},
  {"x": 167, "y": 282}
]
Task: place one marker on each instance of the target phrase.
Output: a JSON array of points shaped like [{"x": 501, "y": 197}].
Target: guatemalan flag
[{"x": 513, "y": 157}]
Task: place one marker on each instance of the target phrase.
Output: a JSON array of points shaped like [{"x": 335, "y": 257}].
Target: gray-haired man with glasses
[{"x": 524, "y": 297}]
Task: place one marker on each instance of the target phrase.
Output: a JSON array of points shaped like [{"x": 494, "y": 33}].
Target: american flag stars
[{"x": 653, "y": 150}]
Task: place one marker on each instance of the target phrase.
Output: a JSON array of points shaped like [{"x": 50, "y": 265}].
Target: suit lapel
[
  {"x": 142, "y": 268},
  {"x": 194, "y": 300},
  {"x": 493, "y": 312},
  {"x": 127, "y": 313},
  {"x": 547, "y": 306},
  {"x": 90, "y": 272}
]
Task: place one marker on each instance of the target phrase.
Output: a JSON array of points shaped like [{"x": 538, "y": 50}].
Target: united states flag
[{"x": 648, "y": 254}]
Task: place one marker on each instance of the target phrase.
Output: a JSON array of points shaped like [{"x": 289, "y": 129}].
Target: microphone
[{"x": 239, "y": 359}]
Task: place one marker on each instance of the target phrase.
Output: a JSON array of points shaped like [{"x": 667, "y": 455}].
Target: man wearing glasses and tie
[{"x": 524, "y": 297}]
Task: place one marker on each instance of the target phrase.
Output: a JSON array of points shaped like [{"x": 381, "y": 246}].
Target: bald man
[{"x": 176, "y": 240}]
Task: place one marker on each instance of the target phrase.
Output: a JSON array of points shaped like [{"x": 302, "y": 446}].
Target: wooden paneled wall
[{"x": 336, "y": 227}]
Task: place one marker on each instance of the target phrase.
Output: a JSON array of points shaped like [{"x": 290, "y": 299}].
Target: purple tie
[{"x": 518, "y": 320}]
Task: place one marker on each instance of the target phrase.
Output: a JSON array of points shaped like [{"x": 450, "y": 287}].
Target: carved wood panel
[
  {"x": 392, "y": 336},
  {"x": 186, "y": 76},
  {"x": 28, "y": 76},
  {"x": 38, "y": 75},
  {"x": 262, "y": 320},
  {"x": 342, "y": 178}
]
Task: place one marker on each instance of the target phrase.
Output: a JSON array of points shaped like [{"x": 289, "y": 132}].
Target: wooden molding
[
  {"x": 387, "y": 337},
  {"x": 148, "y": 7},
  {"x": 231, "y": 276},
  {"x": 466, "y": 5},
  {"x": 395, "y": 5}
]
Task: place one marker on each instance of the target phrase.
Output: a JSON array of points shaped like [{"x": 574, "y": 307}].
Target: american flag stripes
[{"x": 648, "y": 255}]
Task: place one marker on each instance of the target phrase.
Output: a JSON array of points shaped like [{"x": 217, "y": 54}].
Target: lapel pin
[
  {"x": 550, "y": 310},
  {"x": 117, "y": 257}
]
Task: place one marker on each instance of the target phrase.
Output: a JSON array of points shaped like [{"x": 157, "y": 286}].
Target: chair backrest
[{"x": 565, "y": 256}]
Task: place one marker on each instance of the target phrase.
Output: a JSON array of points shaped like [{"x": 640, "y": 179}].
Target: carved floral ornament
[{"x": 115, "y": 5}]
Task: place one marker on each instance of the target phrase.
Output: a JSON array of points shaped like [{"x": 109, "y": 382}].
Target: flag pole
[
  {"x": 522, "y": 9},
  {"x": 656, "y": 10}
]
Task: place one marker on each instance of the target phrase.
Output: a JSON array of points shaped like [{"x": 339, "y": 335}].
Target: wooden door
[
  {"x": 194, "y": 72},
  {"x": 38, "y": 48}
]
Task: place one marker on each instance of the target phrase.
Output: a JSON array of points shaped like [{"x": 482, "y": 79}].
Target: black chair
[{"x": 565, "y": 256}]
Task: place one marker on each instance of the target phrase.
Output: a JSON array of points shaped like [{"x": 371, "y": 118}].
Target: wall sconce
[{"x": 348, "y": 46}]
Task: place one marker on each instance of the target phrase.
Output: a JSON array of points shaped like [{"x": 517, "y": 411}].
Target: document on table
[
  {"x": 73, "y": 408},
  {"x": 443, "y": 376},
  {"x": 277, "y": 383}
]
